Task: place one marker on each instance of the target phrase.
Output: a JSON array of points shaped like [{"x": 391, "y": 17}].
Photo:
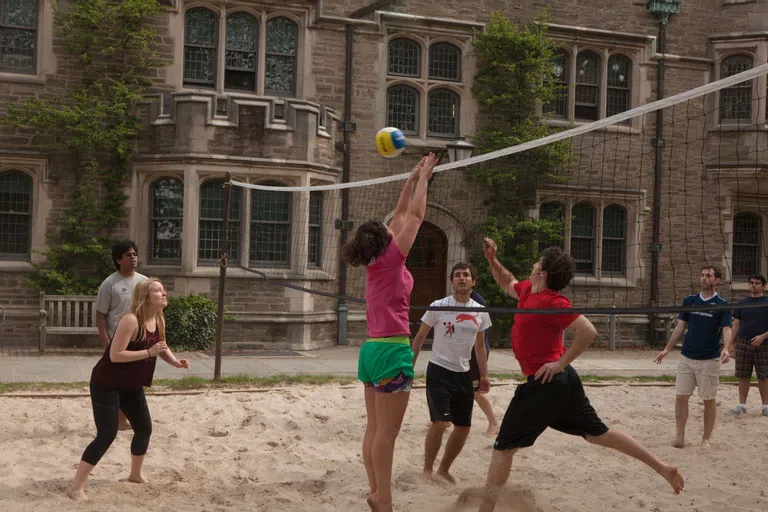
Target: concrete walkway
[{"x": 24, "y": 365}]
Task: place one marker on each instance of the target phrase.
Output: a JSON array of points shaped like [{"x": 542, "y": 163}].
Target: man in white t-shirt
[
  {"x": 115, "y": 296},
  {"x": 450, "y": 391}
]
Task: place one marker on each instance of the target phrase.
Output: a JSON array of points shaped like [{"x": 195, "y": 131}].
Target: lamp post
[{"x": 460, "y": 150}]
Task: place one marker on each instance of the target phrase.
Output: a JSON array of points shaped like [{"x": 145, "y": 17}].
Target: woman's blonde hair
[{"x": 140, "y": 307}]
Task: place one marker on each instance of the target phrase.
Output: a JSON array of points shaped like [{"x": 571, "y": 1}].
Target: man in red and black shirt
[{"x": 553, "y": 395}]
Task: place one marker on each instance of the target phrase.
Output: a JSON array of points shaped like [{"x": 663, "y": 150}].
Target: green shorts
[{"x": 385, "y": 358}]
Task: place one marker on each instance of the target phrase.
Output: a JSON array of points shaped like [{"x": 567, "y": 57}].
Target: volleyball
[{"x": 390, "y": 142}]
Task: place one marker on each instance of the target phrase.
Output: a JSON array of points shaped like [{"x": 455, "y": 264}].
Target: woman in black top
[{"x": 117, "y": 381}]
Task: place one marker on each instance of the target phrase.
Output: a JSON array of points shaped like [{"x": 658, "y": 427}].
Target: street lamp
[{"x": 460, "y": 150}]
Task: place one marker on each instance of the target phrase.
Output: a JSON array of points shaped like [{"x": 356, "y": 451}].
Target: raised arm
[
  {"x": 503, "y": 277},
  {"x": 401, "y": 211},
  {"x": 416, "y": 208}
]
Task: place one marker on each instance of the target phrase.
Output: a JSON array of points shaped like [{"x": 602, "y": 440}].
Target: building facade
[{"x": 257, "y": 88}]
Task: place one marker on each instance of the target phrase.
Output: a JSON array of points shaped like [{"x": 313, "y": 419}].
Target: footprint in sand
[{"x": 516, "y": 499}]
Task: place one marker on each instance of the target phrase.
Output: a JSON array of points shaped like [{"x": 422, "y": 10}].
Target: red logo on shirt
[
  {"x": 463, "y": 317},
  {"x": 449, "y": 329}
]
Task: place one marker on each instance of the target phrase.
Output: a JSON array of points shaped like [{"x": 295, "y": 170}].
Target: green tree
[
  {"x": 514, "y": 72},
  {"x": 93, "y": 124}
]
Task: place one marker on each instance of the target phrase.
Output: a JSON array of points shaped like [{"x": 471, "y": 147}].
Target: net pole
[
  {"x": 657, "y": 171},
  {"x": 223, "y": 252}
]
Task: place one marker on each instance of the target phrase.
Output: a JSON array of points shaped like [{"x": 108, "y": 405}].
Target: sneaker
[{"x": 740, "y": 410}]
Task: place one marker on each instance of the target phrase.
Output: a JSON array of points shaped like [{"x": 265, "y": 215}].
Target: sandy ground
[{"x": 299, "y": 450}]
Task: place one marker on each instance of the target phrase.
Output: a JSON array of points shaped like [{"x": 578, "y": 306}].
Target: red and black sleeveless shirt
[{"x": 131, "y": 375}]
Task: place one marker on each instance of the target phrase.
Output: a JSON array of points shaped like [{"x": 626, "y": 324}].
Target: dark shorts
[
  {"x": 749, "y": 357},
  {"x": 474, "y": 369},
  {"x": 450, "y": 396},
  {"x": 560, "y": 404}
]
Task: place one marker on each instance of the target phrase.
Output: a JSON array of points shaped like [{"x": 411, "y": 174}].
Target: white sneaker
[{"x": 739, "y": 410}]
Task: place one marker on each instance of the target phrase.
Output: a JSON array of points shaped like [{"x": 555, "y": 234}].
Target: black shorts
[
  {"x": 450, "y": 396},
  {"x": 474, "y": 369},
  {"x": 560, "y": 404}
]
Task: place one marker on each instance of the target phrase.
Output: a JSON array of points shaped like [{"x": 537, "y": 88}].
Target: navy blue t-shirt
[
  {"x": 754, "y": 322},
  {"x": 480, "y": 300},
  {"x": 702, "y": 341}
]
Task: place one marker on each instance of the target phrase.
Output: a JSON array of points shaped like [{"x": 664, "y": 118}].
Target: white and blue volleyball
[{"x": 390, "y": 142}]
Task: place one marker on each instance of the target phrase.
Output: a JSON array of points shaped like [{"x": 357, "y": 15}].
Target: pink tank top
[{"x": 388, "y": 286}]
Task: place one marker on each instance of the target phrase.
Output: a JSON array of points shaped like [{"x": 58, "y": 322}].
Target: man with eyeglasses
[
  {"x": 749, "y": 345},
  {"x": 115, "y": 295}
]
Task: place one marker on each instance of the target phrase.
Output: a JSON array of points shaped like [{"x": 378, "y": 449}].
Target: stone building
[{"x": 258, "y": 88}]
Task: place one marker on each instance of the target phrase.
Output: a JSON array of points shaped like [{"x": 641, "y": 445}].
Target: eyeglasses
[{"x": 130, "y": 255}]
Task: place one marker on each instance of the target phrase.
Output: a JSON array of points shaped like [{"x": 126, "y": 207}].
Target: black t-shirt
[{"x": 754, "y": 321}]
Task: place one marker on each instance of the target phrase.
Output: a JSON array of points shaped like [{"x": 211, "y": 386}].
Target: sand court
[{"x": 298, "y": 449}]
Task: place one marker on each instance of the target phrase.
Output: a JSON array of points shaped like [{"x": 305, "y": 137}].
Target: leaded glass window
[
  {"x": 443, "y": 113},
  {"x": 404, "y": 58},
  {"x": 552, "y": 211},
  {"x": 736, "y": 100},
  {"x": 315, "y": 231},
  {"x": 270, "y": 227},
  {"x": 403, "y": 109},
  {"x": 614, "y": 228},
  {"x": 212, "y": 221},
  {"x": 18, "y": 35},
  {"x": 282, "y": 44},
  {"x": 559, "y": 104},
  {"x": 587, "y": 86},
  {"x": 241, "y": 55},
  {"x": 747, "y": 230},
  {"x": 200, "y": 47},
  {"x": 618, "y": 98},
  {"x": 15, "y": 214},
  {"x": 166, "y": 219},
  {"x": 444, "y": 62},
  {"x": 583, "y": 237}
]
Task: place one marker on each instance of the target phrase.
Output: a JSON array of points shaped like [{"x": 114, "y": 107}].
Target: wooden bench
[{"x": 66, "y": 314}]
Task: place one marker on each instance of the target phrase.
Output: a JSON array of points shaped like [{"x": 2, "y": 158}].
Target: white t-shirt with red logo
[{"x": 455, "y": 333}]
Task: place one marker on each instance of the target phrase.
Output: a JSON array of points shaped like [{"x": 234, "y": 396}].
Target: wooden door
[{"x": 427, "y": 262}]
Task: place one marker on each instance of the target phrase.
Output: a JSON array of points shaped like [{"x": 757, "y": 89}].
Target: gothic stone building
[{"x": 257, "y": 88}]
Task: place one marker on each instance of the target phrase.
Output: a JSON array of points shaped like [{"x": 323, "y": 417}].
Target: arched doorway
[{"x": 427, "y": 262}]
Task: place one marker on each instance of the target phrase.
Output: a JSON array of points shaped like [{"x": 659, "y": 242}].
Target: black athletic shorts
[
  {"x": 449, "y": 395},
  {"x": 560, "y": 404}
]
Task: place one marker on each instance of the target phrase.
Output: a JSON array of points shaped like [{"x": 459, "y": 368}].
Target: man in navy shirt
[
  {"x": 750, "y": 347},
  {"x": 700, "y": 358}
]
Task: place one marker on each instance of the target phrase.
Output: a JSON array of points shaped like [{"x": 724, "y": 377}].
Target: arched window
[
  {"x": 614, "y": 240},
  {"x": 560, "y": 74},
  {"x": 404, "y": 58},
  {"x": 314, "y": 252},
  {"x": 282, "y": 45},
  {"x": 443, "y": 113},
  {"x": 212, "y": 221},
  {"x": 15, "y": 214},
  {"x": 200, "y": 47},
  {"x": 444, "y": 62},
  {"x": 167, "y": 199},
  {"x": 587, "y": 86},
  {"x": 583, "y": 237},
  {"x": 403, "y": 109},
  {"x": 736, "y": 100},
  {"x": 242, "y": 52},
  {"x": 618, "y": 96},
  {"x": 747, "y": 231},
  {"x": 18, "y": 27},
  {"x": 270, "y": 227},
  {"x": 555, "y": 212}
]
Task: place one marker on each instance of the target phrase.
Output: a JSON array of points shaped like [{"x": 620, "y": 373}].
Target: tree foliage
[
  {"x": 93, "y": 123},
  {"x": 514, "y": 74}
]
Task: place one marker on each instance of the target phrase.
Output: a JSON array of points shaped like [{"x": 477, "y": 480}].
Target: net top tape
[{"x": 555, "y": 137}]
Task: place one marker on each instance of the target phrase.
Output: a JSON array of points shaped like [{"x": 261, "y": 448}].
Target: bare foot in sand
[
  {"x": 679, "y": 442},
  {"x": 444, "y": 475},
  {"x": 492, "y": 430},
  {"x": 674, "y": 478},
  {"x": 706, "y": 444},
  {"x": 426, "y": 477},
  {"x": 371, "y": 500},
  {"x": 137, "y": 479},
  {"x": 76, "y": 494}
]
